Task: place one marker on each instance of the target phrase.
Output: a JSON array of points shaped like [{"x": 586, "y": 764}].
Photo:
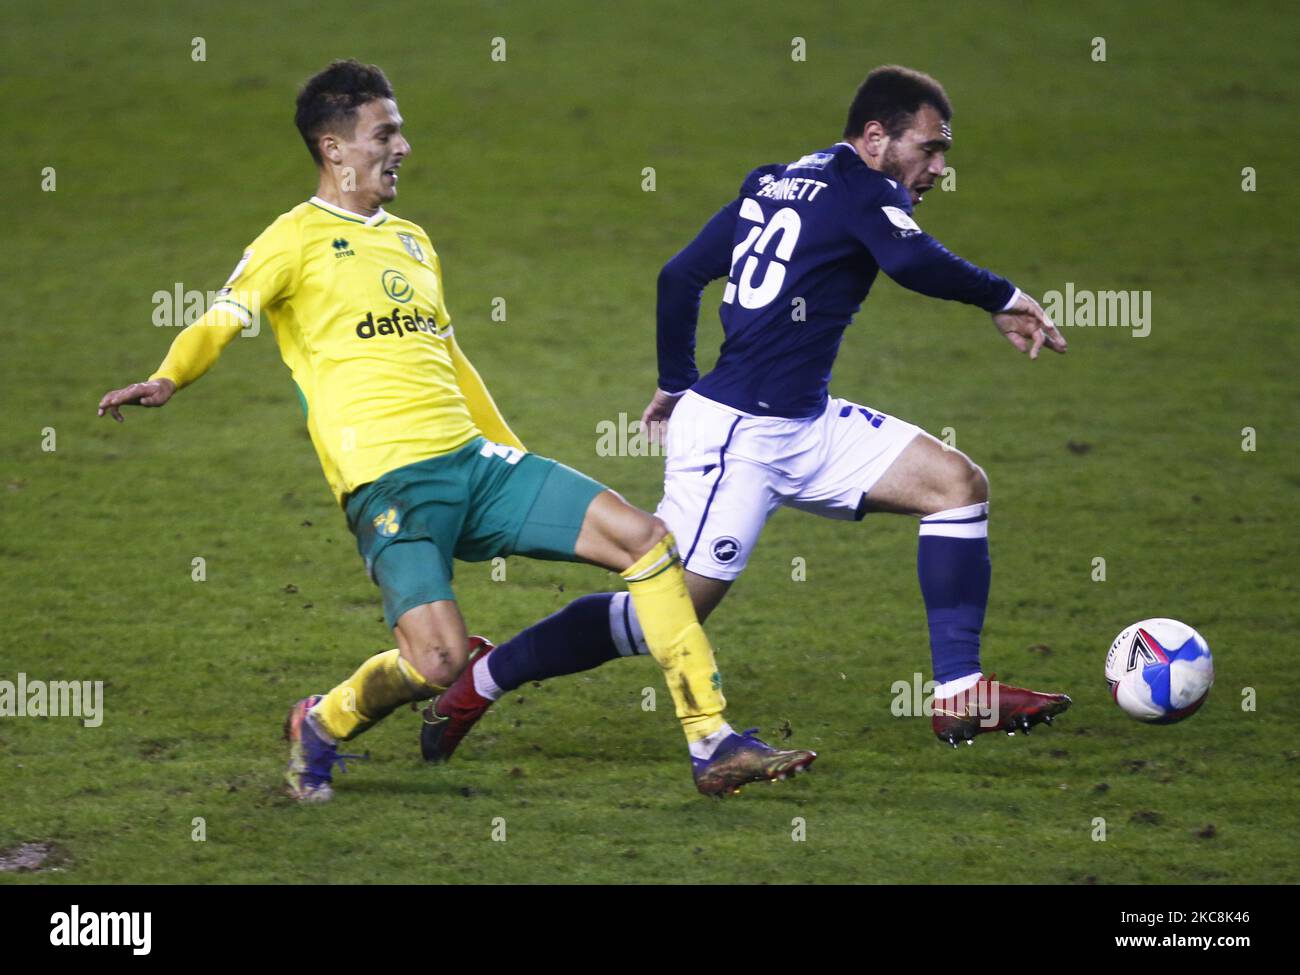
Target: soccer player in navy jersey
[{"x": 800, "y": 247}]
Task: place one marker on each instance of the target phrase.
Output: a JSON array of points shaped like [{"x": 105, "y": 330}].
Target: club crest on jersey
[
  {"x": 725, "y": 549},
  {"x": 412, "y": 246}
]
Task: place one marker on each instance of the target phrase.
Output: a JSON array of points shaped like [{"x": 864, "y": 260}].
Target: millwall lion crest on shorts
[
  {"x": 724, "y": 549},
  {"x": 412, "y": 246}
]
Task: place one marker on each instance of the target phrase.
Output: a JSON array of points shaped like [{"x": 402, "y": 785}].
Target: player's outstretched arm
[
  {"x": 155, "y": 392},
  {"x": 920, "y": 263},
  {"x": 1027, "y": 327},
  {"x": 264, "y": 275},
  {"x": 193, "y": 353}
]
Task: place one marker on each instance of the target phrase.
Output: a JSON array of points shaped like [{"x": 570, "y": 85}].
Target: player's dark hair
[
  {"x": 892, "y": 95},
  {"x": 330, "y": 99}
]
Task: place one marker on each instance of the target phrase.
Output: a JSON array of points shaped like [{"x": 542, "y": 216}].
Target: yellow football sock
[
  {"x": 380, "y": 685},
  {"x": 676, "y": 639}
]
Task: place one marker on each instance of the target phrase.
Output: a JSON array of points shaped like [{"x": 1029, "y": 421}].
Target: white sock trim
[
  {"x": 319, "y": 728},
  {"x": 959, "y": 514},
  {"x": 955, "y": 686},
  {"x": 625, "y": 628},
  {"x": 706, "y": 746},
  {"x": 483, "y": 682},
  {"x": 979, "y": 529},
  {"x": 955, "y": 523},
  {"x": 654, "y": 569}
]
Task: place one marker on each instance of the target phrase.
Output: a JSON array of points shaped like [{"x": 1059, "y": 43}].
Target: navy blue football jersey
[{"x": 800, "y": 247}]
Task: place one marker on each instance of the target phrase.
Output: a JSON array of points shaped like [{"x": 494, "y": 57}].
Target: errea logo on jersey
[{"x": 399, "y": 322}]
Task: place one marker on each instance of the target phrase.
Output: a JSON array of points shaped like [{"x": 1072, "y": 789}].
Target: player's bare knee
[
  {"x": 437, "y": 657},
  {"x": 639, "y": 539},
  {"x": 656, "y": 532},
  {"x": 977, "y": 486},
  {"x": 963, "y": 483},
  {"x": 439, "y": 661}
]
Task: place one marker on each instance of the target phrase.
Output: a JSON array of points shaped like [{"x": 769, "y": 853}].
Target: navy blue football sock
[
  {"x": 579, "y": 637},
  {"x": 952, "y": 563}
]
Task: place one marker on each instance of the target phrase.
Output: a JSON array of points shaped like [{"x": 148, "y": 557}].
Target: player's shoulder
[
  {"x": 288, "y": 224},
  {"x": 404, "y": 226},
  {"x": 867, "y": 186},
  {"x": 303, "y": 211},
  {"x": 397, "y": 222},
  {"x": 758, "y": 177},
  {"x": 837, "y": 171}
]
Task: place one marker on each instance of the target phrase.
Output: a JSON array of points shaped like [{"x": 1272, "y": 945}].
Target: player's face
[
  {"x": 916, "y": 158},
  {"x": 376, "y": 150}
]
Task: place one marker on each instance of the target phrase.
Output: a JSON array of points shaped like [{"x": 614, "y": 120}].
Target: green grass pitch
[{"x": 1128, "y": 173}]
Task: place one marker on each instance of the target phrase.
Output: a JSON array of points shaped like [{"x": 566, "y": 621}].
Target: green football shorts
[{"x": 481, "y": 501}]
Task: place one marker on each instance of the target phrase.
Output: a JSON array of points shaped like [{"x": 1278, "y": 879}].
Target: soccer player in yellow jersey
[{"x": 415, "y": 450}]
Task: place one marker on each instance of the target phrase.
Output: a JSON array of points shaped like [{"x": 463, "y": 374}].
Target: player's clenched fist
[
  {"x": 154, "y": 393},
  {"x": 1027, "y": 327}
]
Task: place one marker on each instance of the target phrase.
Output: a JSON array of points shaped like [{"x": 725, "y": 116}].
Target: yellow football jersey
[{"x": 357, "y": 308}]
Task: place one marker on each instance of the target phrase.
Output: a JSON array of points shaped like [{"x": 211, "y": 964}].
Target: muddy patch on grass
[{"x": 31, "y": 857}]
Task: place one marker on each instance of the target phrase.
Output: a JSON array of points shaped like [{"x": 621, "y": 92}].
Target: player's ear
[
  {"x": 329, "y": 148},
  {"x": 874, "y": 138}
]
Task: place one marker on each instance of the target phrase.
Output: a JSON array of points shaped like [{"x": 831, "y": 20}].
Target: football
[{"x": 1159, "y": 670}]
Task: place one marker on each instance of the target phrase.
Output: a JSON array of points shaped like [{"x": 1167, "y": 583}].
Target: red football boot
[
  {"x": 450, "y": 716},
  {"x": 990, "y": 705}
]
